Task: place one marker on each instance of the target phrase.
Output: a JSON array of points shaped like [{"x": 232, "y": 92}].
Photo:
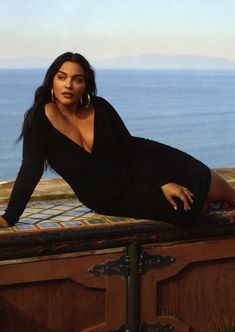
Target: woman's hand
[
  {"x": 3, "y": 222},
  {"x": 171, "y": 190}
]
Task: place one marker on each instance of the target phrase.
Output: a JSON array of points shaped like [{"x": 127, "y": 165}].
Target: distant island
[
  {"x": 158, "y": 61},
  {"x": 147, "y": 61},
  {"x": 25, "y": 63}
]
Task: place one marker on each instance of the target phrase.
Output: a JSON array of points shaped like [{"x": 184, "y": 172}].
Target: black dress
[{"x": 122, "y": 175}]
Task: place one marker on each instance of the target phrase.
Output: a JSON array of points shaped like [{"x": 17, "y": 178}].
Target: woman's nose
[{"x": 68, "y": 83}]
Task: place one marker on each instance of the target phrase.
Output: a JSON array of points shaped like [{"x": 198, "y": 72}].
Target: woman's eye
[
  {"x": 79, "y": 80},
  {"x": 61, "y": 77}
]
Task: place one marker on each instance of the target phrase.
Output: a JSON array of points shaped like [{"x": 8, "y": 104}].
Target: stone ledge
[{"x": 46, "y": 189}]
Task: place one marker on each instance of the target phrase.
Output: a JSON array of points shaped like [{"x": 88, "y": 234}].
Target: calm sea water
[{"x": 191, "y": 110}]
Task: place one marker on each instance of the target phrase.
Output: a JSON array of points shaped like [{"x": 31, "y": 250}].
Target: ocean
[{"x": 191, "y": 110}]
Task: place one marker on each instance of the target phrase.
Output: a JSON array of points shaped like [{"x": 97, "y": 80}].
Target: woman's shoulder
[
  {"x": 103, "y": 104},
  {"x": 38, "y": 117},
  {"x": 33, "y": 124},
  {"x": 49, "y": 111},
  {"x": 98, "y": 100}
]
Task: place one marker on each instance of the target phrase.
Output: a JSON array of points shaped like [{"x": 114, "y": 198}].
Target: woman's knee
[
  {"x": 214, "y": 187},
  {"x": 219, "y": 188}
]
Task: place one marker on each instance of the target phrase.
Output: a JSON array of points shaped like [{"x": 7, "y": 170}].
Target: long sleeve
[{"x": 30, "y": 171}]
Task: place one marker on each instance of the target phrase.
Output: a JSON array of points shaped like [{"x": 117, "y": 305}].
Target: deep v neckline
[{"x": 69, "y": 139}]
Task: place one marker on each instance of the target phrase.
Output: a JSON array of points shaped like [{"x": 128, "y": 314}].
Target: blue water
[{"x": 191, "y": 110}]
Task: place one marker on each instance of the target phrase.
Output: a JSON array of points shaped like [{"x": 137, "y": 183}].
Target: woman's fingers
[
  {"x": 172, "y": 190},
  {"x": 172, "y": 202},
  {"x": 188, "y": 194},
  {"x": 184, "y": 198}
]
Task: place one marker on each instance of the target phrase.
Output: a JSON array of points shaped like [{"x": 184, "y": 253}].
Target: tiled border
[{"x": 60, "y": 214}]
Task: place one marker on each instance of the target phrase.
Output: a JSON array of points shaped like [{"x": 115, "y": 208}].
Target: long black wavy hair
[{"x": 43, "y": 92}]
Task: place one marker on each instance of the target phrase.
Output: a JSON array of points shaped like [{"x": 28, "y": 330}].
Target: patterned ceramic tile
[
  {"x": 96, "y": 221},
  {"x": 82, "y": 208},
  {"x": 62, "y": 207},
  {"x": 33, "y": 210},
  {"x": 71, "y": 223},
  {"x": 118, "y": 219},
  {"x": 25, "y": 214},
  {"x": 61, "y": 218},
  {"x": 48, "y": 225},
  {"x": 2, "y": 210},
  {"x": 89, "y": 214},
  {"x": 41, "y": 216},
  {"x": 69, "y": 202},
  {"x": 29, "y": 221},
  {"x": 52, "y": 212},
  {"x": 74, "y": 214},
  {"x": 23, "y": 227},
  {"x": 41, "y": 204}
]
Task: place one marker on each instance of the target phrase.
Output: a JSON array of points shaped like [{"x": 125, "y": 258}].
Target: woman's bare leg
[{"x": 220, "y": 190}]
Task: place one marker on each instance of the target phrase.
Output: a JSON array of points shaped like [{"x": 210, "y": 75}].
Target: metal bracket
[
  {"x": 145, "y": 327},
  {"x": 120, "y": 267},
  {"x": 149, "y": 262}
]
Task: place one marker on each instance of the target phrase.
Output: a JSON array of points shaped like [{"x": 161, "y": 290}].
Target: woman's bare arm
[{"x": 3, "y": 223}]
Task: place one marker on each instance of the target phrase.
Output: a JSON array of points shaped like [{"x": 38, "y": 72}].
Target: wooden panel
[
  {"x": 201, "y": 294},
  {"x": 203, "y": 273},
  {"x": 61, "y": 295},
  {"x": 60, "y": 305},
  {"x": 12, "y": 320}
]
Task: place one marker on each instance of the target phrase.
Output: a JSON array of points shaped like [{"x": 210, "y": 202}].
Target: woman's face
[{"x": 69, "y": 84}]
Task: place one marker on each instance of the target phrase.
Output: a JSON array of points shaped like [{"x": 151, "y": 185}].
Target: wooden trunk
[{"x": 169, "y": 278}]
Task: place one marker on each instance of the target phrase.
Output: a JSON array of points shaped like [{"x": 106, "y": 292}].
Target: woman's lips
[{"x": 67, "y": 94}]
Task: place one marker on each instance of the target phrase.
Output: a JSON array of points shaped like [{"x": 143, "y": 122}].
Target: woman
[{"x": 84, "y": 140}]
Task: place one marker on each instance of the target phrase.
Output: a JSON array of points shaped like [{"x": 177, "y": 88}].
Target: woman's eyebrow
[{"x": 62, "y": 72}]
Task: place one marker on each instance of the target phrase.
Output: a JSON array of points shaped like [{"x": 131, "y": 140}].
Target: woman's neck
[{"x": 71, "y": 110}]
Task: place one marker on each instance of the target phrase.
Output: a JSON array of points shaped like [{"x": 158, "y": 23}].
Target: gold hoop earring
[
  {"x": 88, "y": 101},
  {"x": 52, "y": 95}
]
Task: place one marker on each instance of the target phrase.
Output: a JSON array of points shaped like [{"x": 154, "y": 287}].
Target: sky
[{"x": 101, "y": 29}]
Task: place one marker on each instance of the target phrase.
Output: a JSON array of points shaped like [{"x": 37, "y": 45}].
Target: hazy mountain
[
  {"x": 25, "y": 62},
  {"x": 157, "y": 61},
  {"x": 148, "y": 61}
]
